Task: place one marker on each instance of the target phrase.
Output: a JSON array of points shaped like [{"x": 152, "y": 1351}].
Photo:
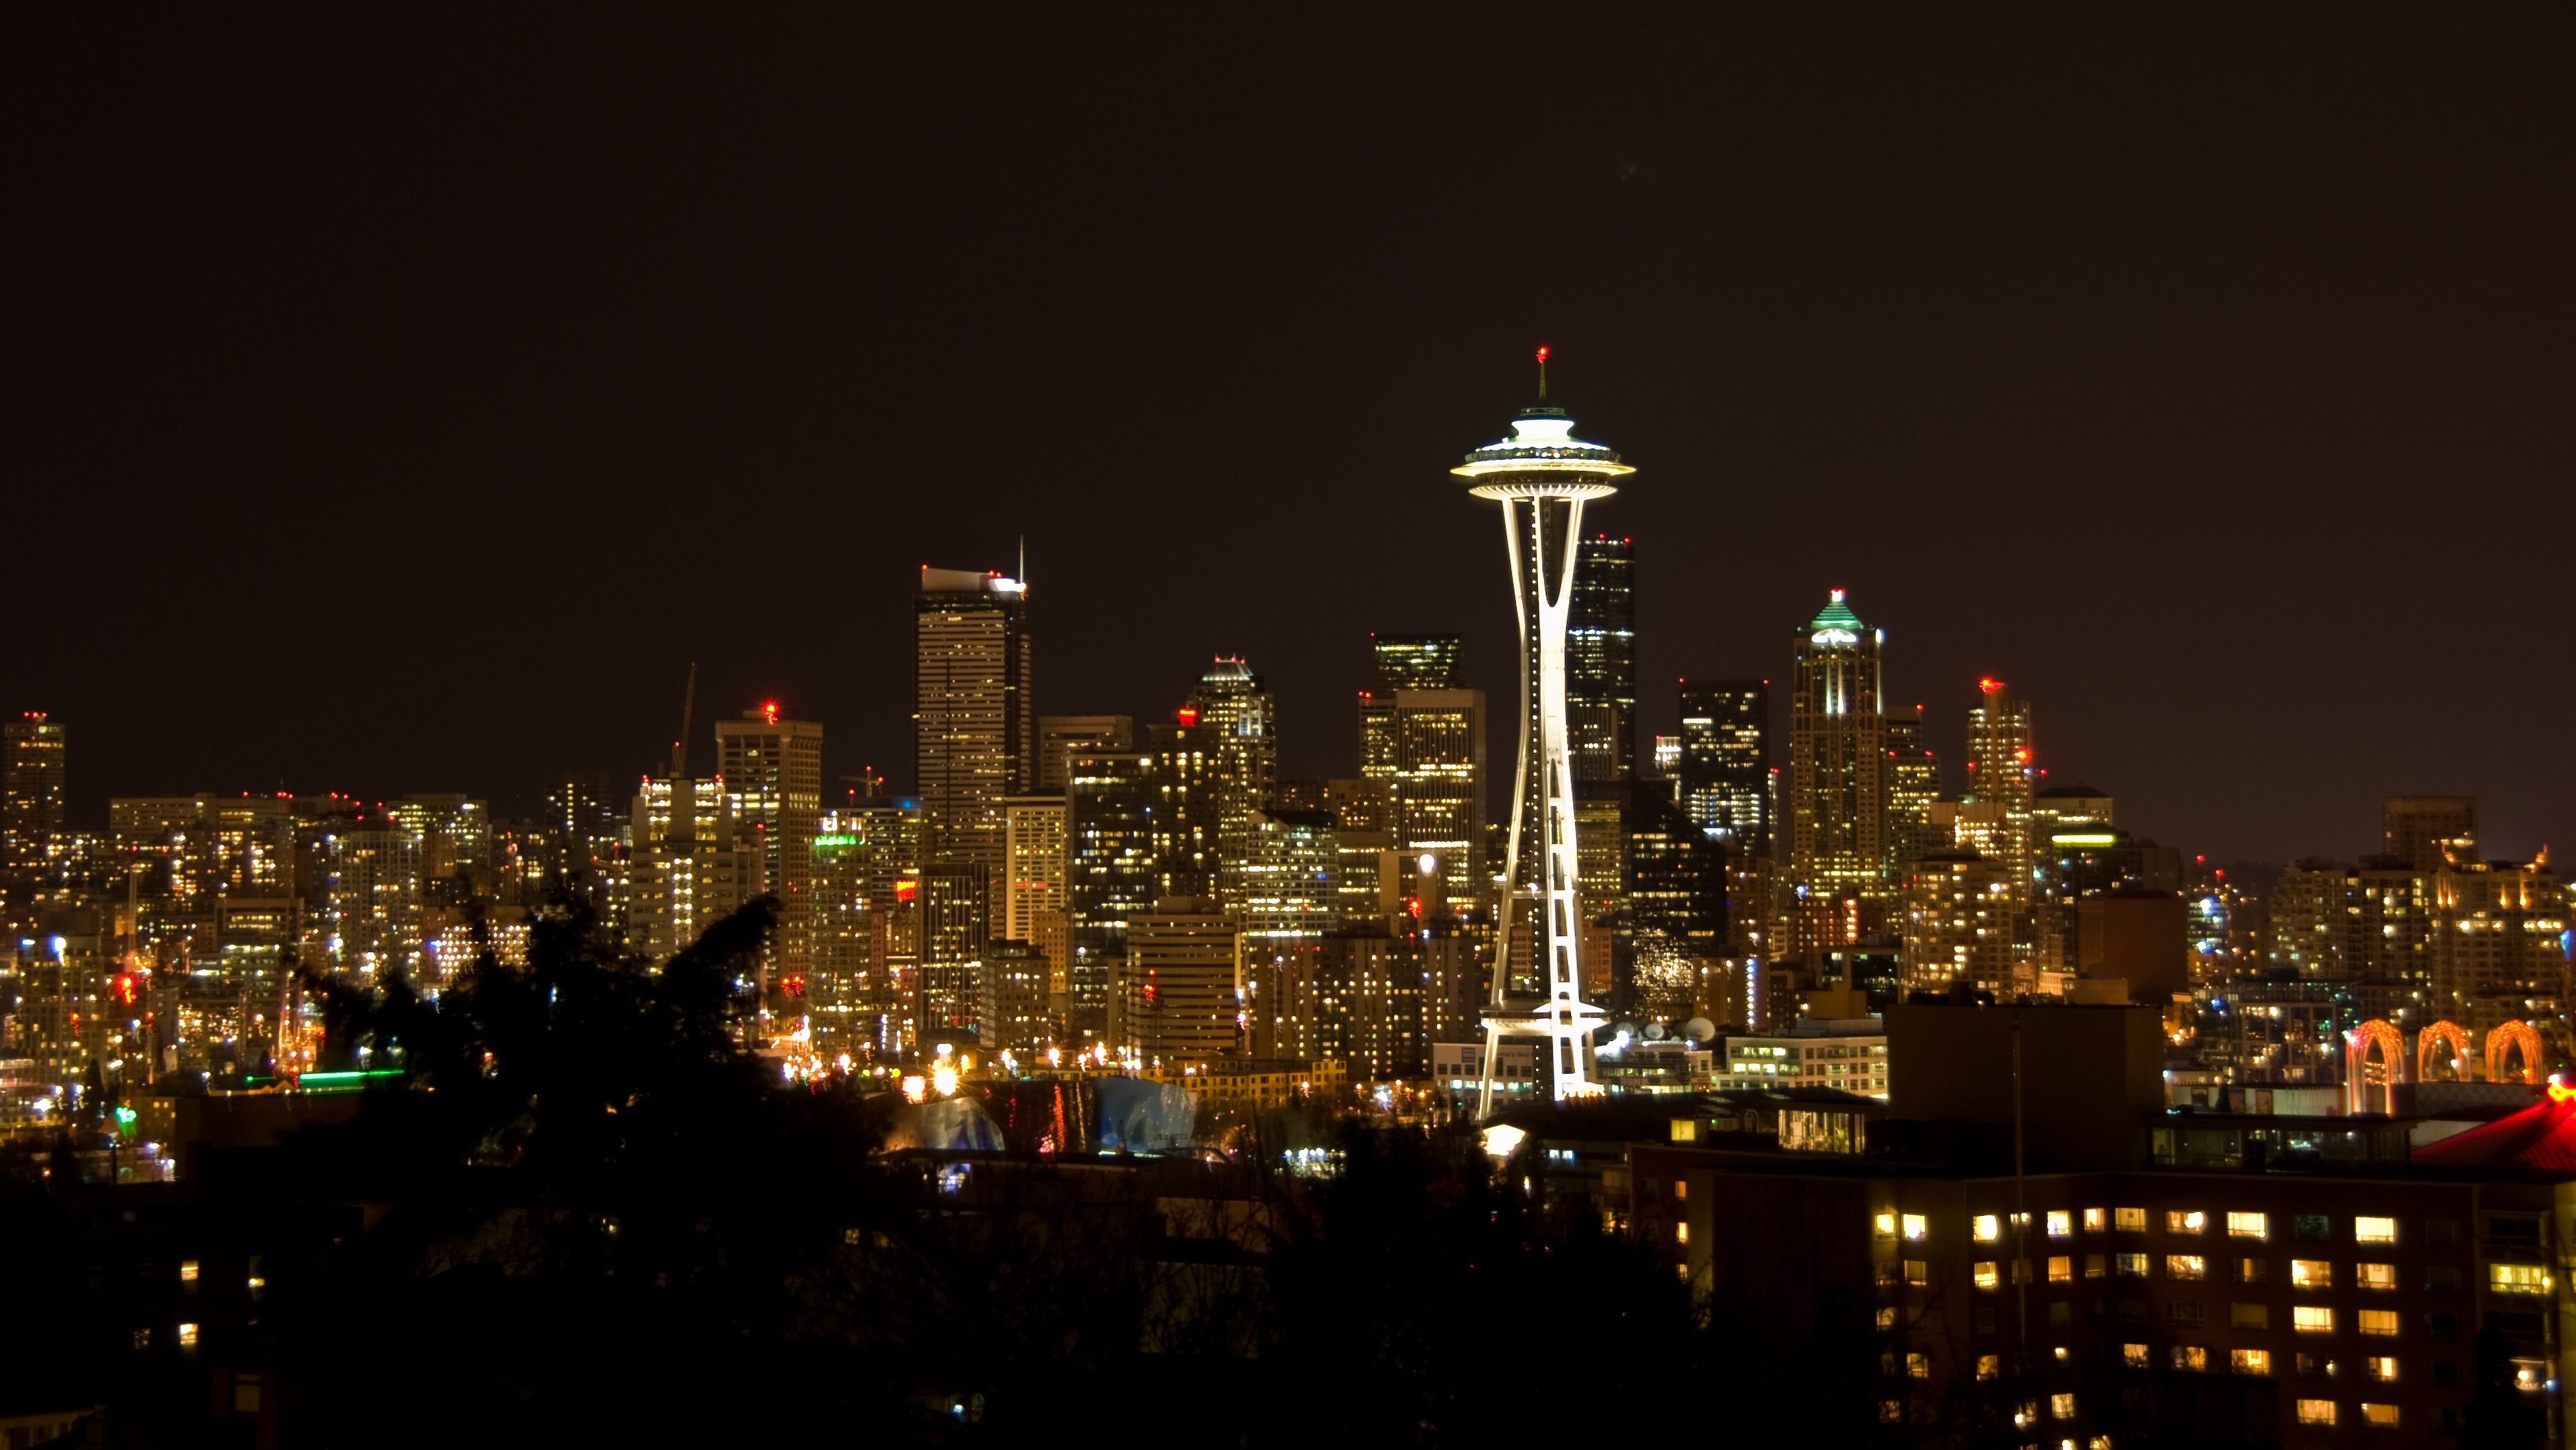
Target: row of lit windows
[{"x": 2061, "y": 1223}]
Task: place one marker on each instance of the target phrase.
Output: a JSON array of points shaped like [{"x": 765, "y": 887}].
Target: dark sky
[{"x": 403, "y": 405}]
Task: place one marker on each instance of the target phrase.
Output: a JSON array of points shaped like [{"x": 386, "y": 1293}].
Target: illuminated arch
[
  {"x": 2456, "y": 1038},
  {"x": 2513, "y": 1034},
  {"x": 2360, "y": 1076}
]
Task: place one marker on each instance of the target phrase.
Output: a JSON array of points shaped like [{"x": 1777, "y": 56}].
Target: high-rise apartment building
[
  {"x": 1543, "y": 476},
  {"x": 1189, "y": 794},
  {"x": 1957, "y": 924},
  {"x": 1725, "y": 766},
  {"x": 772, "y": 771},
  {"x": 1601, "y": 660},
  {"x": 2001, "y": 774},
  {"x": 974, "y": 728},
  {"x": 953, "y": 938},
  {"x": 1109, "y": 874},
  {"x": 1059, "y": 735},
  {"x": 2429, "y": 831},
  {"x": 688, "y": 865},
  {"x": 455, "y": 843},
  {"x": 1837, "y": 788},
  {"x": 1913, "y": 782},
  {"x": 33, "y": 755}
]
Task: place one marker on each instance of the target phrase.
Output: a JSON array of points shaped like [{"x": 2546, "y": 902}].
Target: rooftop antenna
[
  {"x": 1024, "y": 561},
  {"x": 1542, "y": 375},
  {"x": 688, "y": 703}
]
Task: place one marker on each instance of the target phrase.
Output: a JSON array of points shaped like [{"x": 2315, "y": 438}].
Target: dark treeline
[{"x": 592, "y": 1216}]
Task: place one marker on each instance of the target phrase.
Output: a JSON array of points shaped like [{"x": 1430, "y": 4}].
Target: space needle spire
[{"x": 1542, "y": 476}]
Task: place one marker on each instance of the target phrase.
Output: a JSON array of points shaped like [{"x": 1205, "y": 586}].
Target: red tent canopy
[{"x": 2541, "y": 1138}]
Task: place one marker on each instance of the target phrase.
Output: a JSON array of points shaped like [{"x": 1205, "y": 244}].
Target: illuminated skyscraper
[
  {"x": 2429, "y": 831},
  {"x": 1232, "y": 702},
  {"x": 32, "y": 755},
  {"x": 2001, "y": 775},
  {"x": 1725, "y": 765},
  {"x": 1542, "y": 476},
  {"x": 1059, "y": 734},
  {"x": 1035, "y": 897},
  {"x": 1601, "y": 661},
  {"x": 1108, "y": 874},
  {"x": 974, "y": 733},
  {"x": 1422, "y": 755},
  {"x": 773, "y": 771},
  {"x": 1913, "y": 780},
  {"x": 1837, "y": 804}
]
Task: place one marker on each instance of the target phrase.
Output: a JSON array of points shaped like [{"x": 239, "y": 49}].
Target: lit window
[
  {"x": 1983, "y": 1228},
  {"x": 2186, "y": 1266},
  {"x": 2129, "y": 1266},
  {"x": 1985, "y": 1273},
  {"x": 2249, "y": 1316},
  {"x": 2095, "y": 1265},
  {"x": 2061, "y": 1270},
  {"x": 2312, "y": 1319},
  {"x": 1681, "y": 1233},
  {"x": 2249, "y": 1271},
  {"x": 187, "y": 1271},
  {"x": 2311, "y": 1274},
  {"x": 2134, "y": 1356},
  {"x": 2185, "y": 1221},
  {"x": 2061, "y": 1406},
  {"x": 187, "y": 1336},
  {"x": 1915, "y": 1227},
  {"x": 2374, "y": 1230},
  {"x": 2190, "y": 1357},
  {"x": 2092, "y": 1220},
  {"x": 143, "y": 1339},
  {"x": 1918, "y": 1272},
  {"x": 2378, "y": 1321},
  {"x": 2250, "y": 1361},
  {"x": 2060, "y": 1223},
  {"x": 1681, "y": 1189},
  {"x": 1918, "y": 1366},
  {"x": 2379, "y": 1417},
  {"x": 1891, "y": 1409},
  {"x": 1990, "y": 1366},
  {"x": 2517, "y": 1278},
  {"x": 2248, "y": 1226},
  {"x": 2316, "y": 1412},
  {"x": 2375, "y": 1276},
  {"x": 1886, "y": 1225},
  {"x": 2380, "y": 1367},
  {"x": 2131, "y": 1220}
]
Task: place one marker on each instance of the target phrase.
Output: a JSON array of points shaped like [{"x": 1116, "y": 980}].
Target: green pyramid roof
[{"x": 1836, "y": 615}]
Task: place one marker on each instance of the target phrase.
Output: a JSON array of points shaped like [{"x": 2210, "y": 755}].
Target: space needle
[{"x": 1542, "y": 476}]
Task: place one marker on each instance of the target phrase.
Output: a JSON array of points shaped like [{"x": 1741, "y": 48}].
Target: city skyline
[{"x": 2195, "y": 336}]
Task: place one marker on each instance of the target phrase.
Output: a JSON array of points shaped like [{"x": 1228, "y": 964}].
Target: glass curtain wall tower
[{"x": 1542, "y": 476}]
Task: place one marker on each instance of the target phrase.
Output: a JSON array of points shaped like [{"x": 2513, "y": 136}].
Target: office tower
[
  {"x": 1034, "y": 898},
  {"x": 1725, "y": 766},
  {"x": 1109, "y": 874},
  {"x": 1601, "y": 661},
  {"x": 2067, "y": 807},
  {"x": 1676, "y": 893},
  {"x": 1286, "y": 907},
  {"x": 1913, "y": 783},
  {"x": 974, "y": 731},
  {"x": 688, "y": 864},
  {"x": 1422, "y": 756},
  {"x": 1957, "y": 924},
  {"x": 1059, "y": 735},
  {"x": 2497, "y": 935},
  {"x": 1837, "y": 791},
  {"x": 2426, "y": 831},
  {"x": 31, "y": 791},
  {"x": 1664, "y": 767},
  {"x": 1189, "y": 799},
  {"x": 1542, "y": 476},
  {"x": 1369, "y": 989},
  {"x": 952, "y": 902},
  {"x": 1178, "y": 999},
  {"x": 839, "y": 926},
  {"x": 772, "y": 771},
  {"x": 582, "y": 842},
  {"x": 1416, "y": 661},
  {"x": 1232, "y": 701},
  {"x": 2001, "y": 774}
]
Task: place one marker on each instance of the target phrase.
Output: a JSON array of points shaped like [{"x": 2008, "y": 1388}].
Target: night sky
[{"x": 402, "y": 406}]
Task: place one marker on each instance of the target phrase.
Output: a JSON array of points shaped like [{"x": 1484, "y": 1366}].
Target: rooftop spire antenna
[
  {"x": 1024, "y": 559},
  {"x": 1542, "y": 374},
  {"x": 688, "y": 705}
]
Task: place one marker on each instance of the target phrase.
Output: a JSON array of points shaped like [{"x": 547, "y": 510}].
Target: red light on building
[
  {"x": 1991, "y": 687},
  {"x": 1188, "y": 714},
  {"x": 769, "y": 712},
  {"x": 906, "y": 890}
]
